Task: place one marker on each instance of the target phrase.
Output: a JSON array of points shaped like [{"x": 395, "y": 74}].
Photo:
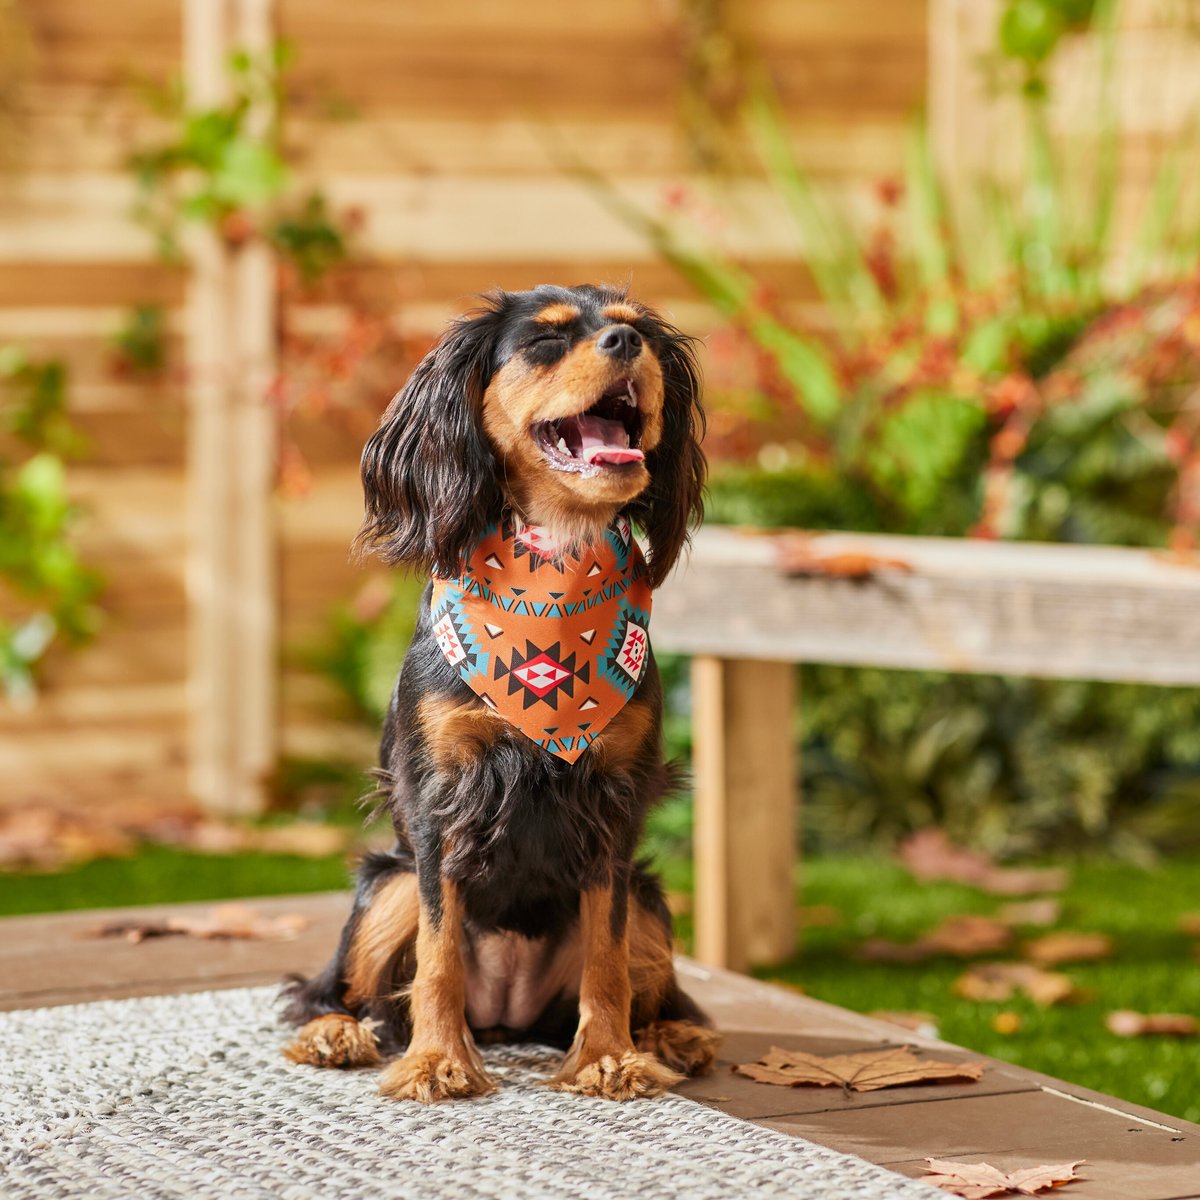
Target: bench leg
[{"x": 745, "y": 835}]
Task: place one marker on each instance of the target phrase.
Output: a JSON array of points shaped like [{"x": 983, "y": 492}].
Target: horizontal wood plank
[{"x": 1075, "y": 612}]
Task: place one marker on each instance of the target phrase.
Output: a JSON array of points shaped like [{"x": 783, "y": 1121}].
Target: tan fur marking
[
  {"x": 623, "y": 312},
  {"x": 334, "y": 1040},
  {"x": 602, "y": 1060},
  {"x": 388, "y": 926},
  {"x": 458, "y": 732},
  {"x": 651, "y": 963},
  {"x": 557, "y": 314},
  {"x": 622, "y": 739},
  {"x": 575, "y": 508},
  {"x": 442, "y": 1060}
]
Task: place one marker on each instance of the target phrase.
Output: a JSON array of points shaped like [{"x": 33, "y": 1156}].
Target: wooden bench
[{"x": 1058, "y": 612}]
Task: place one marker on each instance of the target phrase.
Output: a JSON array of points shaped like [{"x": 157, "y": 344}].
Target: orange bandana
[{"x": 554, "y": 643}]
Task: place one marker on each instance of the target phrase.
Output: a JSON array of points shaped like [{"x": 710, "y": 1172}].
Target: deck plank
[{"x": 1012, "y": 1116}]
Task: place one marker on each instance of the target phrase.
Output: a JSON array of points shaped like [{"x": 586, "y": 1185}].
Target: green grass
[
  {"x": 1153, "y": 969},
  {"x": 158, "y": 875}
]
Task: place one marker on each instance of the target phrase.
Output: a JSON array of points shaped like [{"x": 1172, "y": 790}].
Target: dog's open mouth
[{"x": 605, "y": 435}]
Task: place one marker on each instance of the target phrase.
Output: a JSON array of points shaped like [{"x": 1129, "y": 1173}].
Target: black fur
[{"x": 521, "y": 832}]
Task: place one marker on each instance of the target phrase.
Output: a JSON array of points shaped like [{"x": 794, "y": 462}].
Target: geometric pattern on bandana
[{"x": 554, "y": 642}]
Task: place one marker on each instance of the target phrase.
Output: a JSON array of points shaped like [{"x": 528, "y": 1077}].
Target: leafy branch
[{"x": 46, "y": 591}]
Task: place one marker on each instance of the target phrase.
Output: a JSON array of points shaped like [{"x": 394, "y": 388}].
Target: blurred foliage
[
  {"x": 46, "y": 591},
  {"x": 989, "y": 360},
  {"x": 230, "y": 169},
  {"x": 368, "y": 640},
  {"x": 1031, "y": 30},
  {"x": 140, "y": 344},
  {"x": 225, "y": 167}
]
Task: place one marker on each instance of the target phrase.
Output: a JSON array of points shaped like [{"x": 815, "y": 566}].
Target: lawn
[{"x": 1153, "y": 968}]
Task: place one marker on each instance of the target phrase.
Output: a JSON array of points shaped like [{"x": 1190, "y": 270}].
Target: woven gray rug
[{"x": 188, "y": 1096}]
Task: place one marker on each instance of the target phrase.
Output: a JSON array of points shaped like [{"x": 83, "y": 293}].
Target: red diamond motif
[{"x": 541, "y": 674}]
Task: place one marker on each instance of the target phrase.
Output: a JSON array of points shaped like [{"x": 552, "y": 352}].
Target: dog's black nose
[{"x": 621, "y": 341}]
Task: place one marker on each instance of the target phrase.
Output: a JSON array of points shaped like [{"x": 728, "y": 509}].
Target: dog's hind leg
[
  {"x": 666, "y": 1021},
  {"x": 353, "y": 1004}
]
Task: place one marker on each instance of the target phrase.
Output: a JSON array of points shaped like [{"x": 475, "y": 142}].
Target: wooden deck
[{"x": 1011, "y": 1117}]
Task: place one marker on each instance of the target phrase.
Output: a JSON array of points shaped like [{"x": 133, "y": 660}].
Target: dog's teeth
[{"x": 562, "y": 445}]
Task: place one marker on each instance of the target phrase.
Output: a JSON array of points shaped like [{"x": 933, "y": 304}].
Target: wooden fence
[{"x": 215, "y": 587}]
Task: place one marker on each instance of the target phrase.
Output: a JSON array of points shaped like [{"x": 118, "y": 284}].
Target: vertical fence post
[
  {"x": 230, "y": 337},
  {"x": 745, "y": 839}
]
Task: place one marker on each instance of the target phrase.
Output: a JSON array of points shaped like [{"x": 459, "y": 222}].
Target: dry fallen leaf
[
  {"x": 867, "y": 1071},
  {"x": 232, "y": 921},
  {"x": 1042, "y": 912},
  {"x": 40, "y": 838},
  {"x": 976, "y": 1181},
  {"x": 304, "y": 839},
  {"x": 45, "y": 838},
  {"x": 1125, "y": 1023},
  {"x": 964, "y": 935},
  {"x": 997, "y": 982},
  {"x": 930, "y": 855},
  {"x": 1066, "y": 946},
  {"x": 797, "y": 555}
]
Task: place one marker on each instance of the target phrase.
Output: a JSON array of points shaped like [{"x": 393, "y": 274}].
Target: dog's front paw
[
  {"x": 431, "y": 1075},
  {"x": 334, "y": 1040},
  {"x": 625, "y": 1076}
]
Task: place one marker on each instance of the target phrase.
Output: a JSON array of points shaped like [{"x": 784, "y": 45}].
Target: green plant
[
  {"x": 368, "y": 641},
  {"x": 997, "y": 359},
  {"x": 140, "y": 344},
  {"x": 225, "y": 167},
  {"x": 47, "y": 591},
  {"x": 1031, "y": 30}
]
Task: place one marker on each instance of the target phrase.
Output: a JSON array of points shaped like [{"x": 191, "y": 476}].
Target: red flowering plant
[
  {"x": 998, "y": 360},
  {"x": 996, "y": 371}
]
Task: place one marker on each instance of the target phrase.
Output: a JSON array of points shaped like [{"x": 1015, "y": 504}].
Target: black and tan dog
[{"x": 512, "y": 907}]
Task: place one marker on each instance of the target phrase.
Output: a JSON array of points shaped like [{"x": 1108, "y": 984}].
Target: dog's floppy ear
[
  {"x": 428, "y": 473},
  {"x": 674, "y": 502}
]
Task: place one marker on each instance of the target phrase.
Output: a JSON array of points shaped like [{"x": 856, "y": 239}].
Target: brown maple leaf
[
  {"x": 1126, "y": 1023},
  {"x": 866, "y": 1071},
  {"x": 1066, "y": 946},
  {"x": 976, "y": 1181}
]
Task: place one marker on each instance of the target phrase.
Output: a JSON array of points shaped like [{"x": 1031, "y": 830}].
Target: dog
[{"x": 523, "y": 744}]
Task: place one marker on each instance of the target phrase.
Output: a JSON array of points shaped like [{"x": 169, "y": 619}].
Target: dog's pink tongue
[{"x": 606, "y": 442}]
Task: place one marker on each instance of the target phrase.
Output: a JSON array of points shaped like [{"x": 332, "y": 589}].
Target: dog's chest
[{"x": 511, "y": 979}]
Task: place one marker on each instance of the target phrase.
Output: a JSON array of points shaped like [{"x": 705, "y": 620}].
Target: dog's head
[{"x": 568, "y": 404}]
